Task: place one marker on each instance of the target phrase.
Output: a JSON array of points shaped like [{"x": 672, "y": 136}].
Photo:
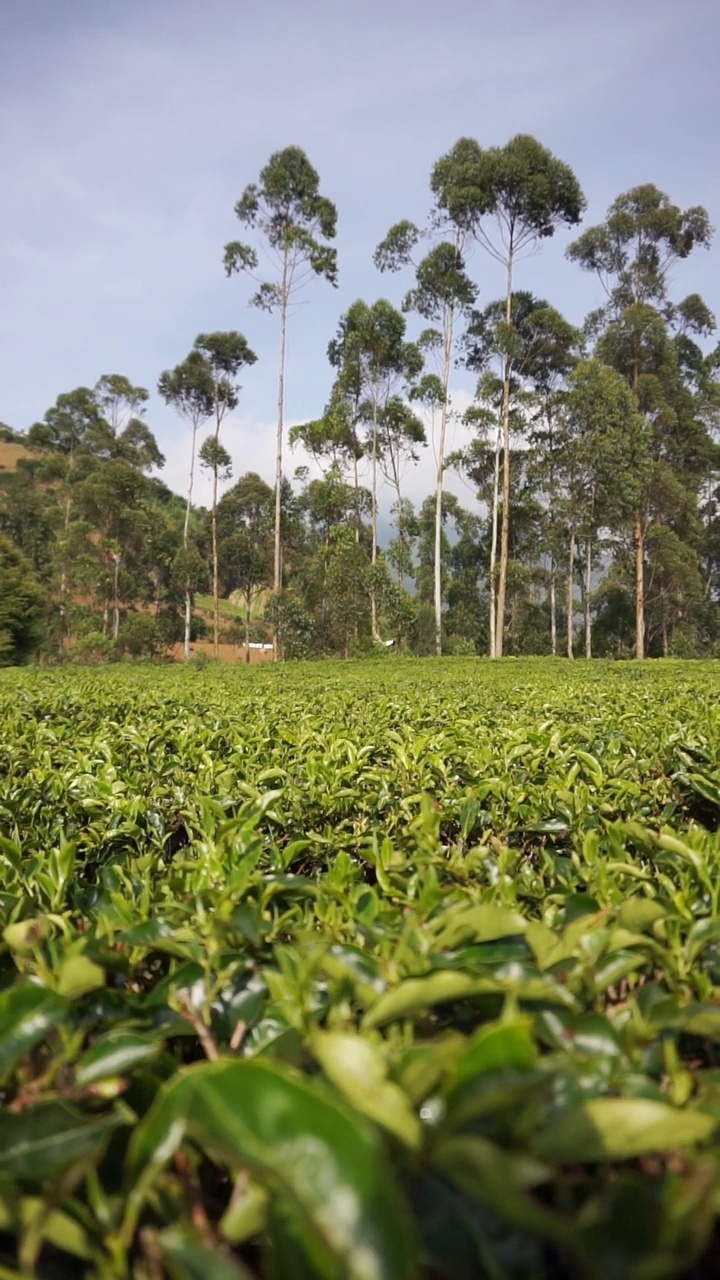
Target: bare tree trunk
[
  {"x": 396, "y": 483},
  {"x": 188, "y": 504},
  {"x": 373, "y": 598},
  {"x": 639, "y": 534},
  {"x": 216, "y": 606},
  {"x": 438, "y": 557},
  {"x": 494, "y": 540},
  {"x": 247, "y": 630},
  {"x": 186, "y": 540},
  {"x": 586, "y": 599},
  {"x": 505, "y": 527},
  {"x": 447, "y": 361},
  {"x": 639, "y": 538},
  {"x": 401, "y": 540},
  {"x": 64, "y": 628},
  {"x": 357, "y": 498},
  {"x": 553, "y": 610},
  {"x": 571, "y": 596},
  {"x": 277, "y": 565},
  {"x": 665, "y": 639},
  {"x": 188, "y": 623},
  {"x": 116, "y": 603},
  {"x": 213, "y": 522}
]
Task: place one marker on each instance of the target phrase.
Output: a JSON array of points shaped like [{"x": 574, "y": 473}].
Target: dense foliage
[
  {"x": 374, "y": 971},
  {"x": 592, "y": 446}
]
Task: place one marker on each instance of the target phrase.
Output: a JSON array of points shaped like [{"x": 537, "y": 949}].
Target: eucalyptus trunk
[
  {"x": 401, "y": 554},
  {"x": 356, "y": 483},
  {"x": 571, "y": 596},
  {"x": 277, "y": 559},
  {"x": 553, "y": 610},
  {"x": 213, "y": 521},
  {"x": 587, "y": 599},
  {"x": 186, "y": 541},
  {"x": 505, "y": 526},
  {"x": 397, "y": 485},
  {"x": 447, "y": 361},
  {"x": 639, "y": 536},
  {"x": 64, "y": 593},
  {"x": 639, "y": 539},
  {"x": 373, "y": 555},
  {"x": 494, "y": 540},
  {"x": 116, "y": 604},
  {"x": 216, "y": 604},
  {"x": 188, "y": 623}
]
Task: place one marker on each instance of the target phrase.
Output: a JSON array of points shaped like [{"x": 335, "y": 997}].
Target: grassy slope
[{"x": 11, "y": 452}]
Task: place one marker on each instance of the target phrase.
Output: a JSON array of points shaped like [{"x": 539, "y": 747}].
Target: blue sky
[{"x": 128, "y": 128}]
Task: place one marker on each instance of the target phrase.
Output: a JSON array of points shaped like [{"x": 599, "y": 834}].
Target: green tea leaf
[
  {"x": 38, "y": 1143},
  {"x": 417, "y": 994},
  {"x": 487, "y": 1173},
  {"x": 188, "y": 1258},
  {"x": 79, "y": 975},
  {"x": 359, "y": 1071},
  {"x": 58, "y": 1228},
  {"x": 498, "y": 1047},
  {"x": 485, "y": 923},
  {"x": 254, "y": 1115},
  {"x": 620, "y": 1129},
  {"x": 27, "y": 1013},
  {"x": 114, "y": 1054}
]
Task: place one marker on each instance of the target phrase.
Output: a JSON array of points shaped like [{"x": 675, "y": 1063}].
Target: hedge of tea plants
[{"x": 379, "y": 971}]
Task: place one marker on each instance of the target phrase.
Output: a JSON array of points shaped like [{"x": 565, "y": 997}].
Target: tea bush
[{"x": 362, "y": 971}]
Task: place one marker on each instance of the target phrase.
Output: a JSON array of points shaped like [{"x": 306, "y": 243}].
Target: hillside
[{"x": 12, "y": 448}]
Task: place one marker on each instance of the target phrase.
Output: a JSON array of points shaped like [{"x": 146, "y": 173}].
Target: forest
[{"x": 593, "y": 449}]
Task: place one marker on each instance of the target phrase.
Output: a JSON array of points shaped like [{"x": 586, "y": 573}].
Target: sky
[{"x": 129, "y": 128}]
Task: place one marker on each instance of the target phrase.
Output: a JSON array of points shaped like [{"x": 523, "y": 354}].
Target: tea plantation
[{"x": 400, "y": 970}]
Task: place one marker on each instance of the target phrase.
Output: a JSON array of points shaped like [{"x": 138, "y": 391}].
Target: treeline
[{"x": 593, "y": 450}]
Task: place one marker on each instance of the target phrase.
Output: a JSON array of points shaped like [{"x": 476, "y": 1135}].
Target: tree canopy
[{"x": 590, "y": 451}]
